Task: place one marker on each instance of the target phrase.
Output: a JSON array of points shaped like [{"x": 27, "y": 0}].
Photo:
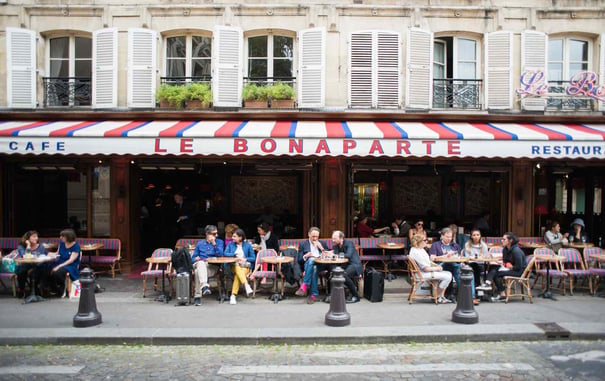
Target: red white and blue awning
[{"x": 303, "y": 138}]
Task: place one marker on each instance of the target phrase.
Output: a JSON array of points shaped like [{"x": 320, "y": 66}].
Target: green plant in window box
[
  {"x": 255, "y": 96},
  {"x": 171, "y": 95},
  {"x": 281, "y": 95},
  {"x": 198, "y": 95}
]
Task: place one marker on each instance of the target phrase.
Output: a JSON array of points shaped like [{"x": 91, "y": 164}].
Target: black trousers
[
  {"x": 498, "y": 276},
  {"x": 348, "y": 274}
]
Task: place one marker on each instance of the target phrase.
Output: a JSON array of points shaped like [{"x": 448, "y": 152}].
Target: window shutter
[
  {"x": 419, "y": 69},
  {"x": 141, "y": 67},
  {"x": 389, "y": 58},
  {"x": 498, "y": 76},
  {"x": 20, "y": 68},
  {"x": 602, "y": 70},
  {"x": 227, "y": 78},
  {"x": 105, "y": 68},
  {"x": 312, "y": 78},
  {"x": 360, "y": 70},
  {"x": 533, "y": 57}
]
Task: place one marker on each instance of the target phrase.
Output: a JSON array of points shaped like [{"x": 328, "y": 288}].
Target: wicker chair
[
  {"x": 574, "y": 266},
  {"x": 594, "y": 266},
  {"x": 260, "y": 273},
  {"x": 416, "y": 279},
  {"x": 519, "y": 286},
  {"x": 156, "y": 270}
]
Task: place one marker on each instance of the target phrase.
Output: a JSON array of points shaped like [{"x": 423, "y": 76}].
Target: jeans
[
  {"x": 310, "y": 278},
  {"x": 453, "y": 268}
]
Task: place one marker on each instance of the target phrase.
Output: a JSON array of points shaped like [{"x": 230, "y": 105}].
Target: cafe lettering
[{"x": 583, "y": 83}]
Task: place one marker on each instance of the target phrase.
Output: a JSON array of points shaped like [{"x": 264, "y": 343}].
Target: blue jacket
[
  {"x": 351, "y": 254},
  {"x": 305, "y": 247},
  {"x": 205, "y": 250},
  {"x": 248, "y": 251}
]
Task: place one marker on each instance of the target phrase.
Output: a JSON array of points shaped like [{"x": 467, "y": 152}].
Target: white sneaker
[
  {"x": 248, "y": 289},
  {"x": 233, "y": 300}
]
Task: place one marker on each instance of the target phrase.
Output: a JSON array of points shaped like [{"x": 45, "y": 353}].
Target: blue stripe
[
  {"x": 458, "y": 134},
  {"x": 16, "y": 133},
  {"x": 125, "y": 133},
  {"x": 71, "y": 133},
  {"x": 512, "y": 136},
  {"x": 404, "y": 134},
  {"x": 292, "y": 132},
  {"x": 239, "y": 128},
  {"x": 180, "y": 133},
  {"x": 567, "y": 137},
  {"x": 346, "y": 129}
]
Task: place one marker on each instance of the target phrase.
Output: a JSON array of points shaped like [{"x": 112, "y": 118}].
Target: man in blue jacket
[
  {"x": 206, "y": 248},
  {"x": 308, "y": 251},
  {"x": 445, "y": 246}
]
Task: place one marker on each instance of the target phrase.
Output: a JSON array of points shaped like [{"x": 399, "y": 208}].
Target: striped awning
[{"x": 303, "y": 138}]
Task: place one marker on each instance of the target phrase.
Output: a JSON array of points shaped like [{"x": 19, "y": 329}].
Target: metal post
[
  {"x": 465, "y": 311},
  {"x": 87, "y": 315},
  {"x": 338, "y": 316}
]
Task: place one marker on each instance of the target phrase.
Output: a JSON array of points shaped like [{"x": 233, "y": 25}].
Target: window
[
  {"x": 70, "y": 69},
  {"x": 270, "y": 57},
  {"x": 566, "y": 57},
  {"x": 188, "y": 58},
  {"x": 455, "y": 72}
]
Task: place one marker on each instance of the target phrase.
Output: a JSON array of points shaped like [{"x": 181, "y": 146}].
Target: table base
[
  {"x": 547, "y": 295},
  {"x": 33, "y": 299}
]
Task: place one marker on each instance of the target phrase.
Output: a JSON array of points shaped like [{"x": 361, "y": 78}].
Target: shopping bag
[
  {"x": 8, "y": 265},
  {"x": 75, "y": 291}
]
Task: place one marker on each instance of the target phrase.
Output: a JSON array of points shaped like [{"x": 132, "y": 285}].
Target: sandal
[{"x": 444, "y": 300}]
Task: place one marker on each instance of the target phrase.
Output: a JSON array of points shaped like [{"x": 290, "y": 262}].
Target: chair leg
[
  {"x": 255, "y": 282},
  {"x": 144, "y": 285}
]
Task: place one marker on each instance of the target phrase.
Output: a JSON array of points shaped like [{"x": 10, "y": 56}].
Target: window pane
[
  {"x": 466, "y": 50},
  {"x": 257, "y": 46},
  {"x": 59, "y": 47},
  {"x": 59, "y": 68},
  {"x": 438, "y": 71},
  {"x": 555, "y": 50},
  {"x": 439, "y": 53},
  {"x": 201, "y": 46},
  {"x": 100, "y": 202},
  {"x": 257, "y": 68},
  {"x": 576, "y": 67},
  {"x": 555, "y": 72},
  {"x": 466, "y": 70},
  {"x": 282, "y": 46},
  {"x": 83, "y": 68},
  {"x": 578, "y": 51},
  {"x": 83, "y": 47},
  {"x": 201, "y": 68},
  {"x": 282, "y": 68},
  {"x": 175, "y": 68},
  {"x": 175, "y": 47}
]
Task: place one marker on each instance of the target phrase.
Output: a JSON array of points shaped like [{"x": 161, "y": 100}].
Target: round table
[
  {"x": 91, "y": 247},
  {"x": 34, "y": 260},
  {"x": 161, "y": 261},
  {"x": 550, "y": 259},
  {"x": 528, "y": 245},
  {"x": 578, "y": 245},
  {"x": 391, "y": 246},
  {"x": 222, "y": 281},
  {"x": 330, "y": 261},
  {"x": 456, "y": 259},
  {"x": 278, "y": 294}
]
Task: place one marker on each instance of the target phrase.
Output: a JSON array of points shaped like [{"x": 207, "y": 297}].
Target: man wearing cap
[{"x": 578, "y": 233}]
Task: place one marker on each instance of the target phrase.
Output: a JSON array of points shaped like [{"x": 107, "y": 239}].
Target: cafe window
[
  {"x": 270, "y": 57},
  {"x": 188, "y": 58},
  {"x": 70, "y": 72},
  {"x": 366, "y": 199},
  {"x": 100, "y": 201},
  {"x": 561, "y": 195},
  {"x": 598, "y": 197},
  {"x": 566, "y": 57}
]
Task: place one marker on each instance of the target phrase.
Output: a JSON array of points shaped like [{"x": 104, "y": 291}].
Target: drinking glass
[{"x": 341, "y": 256}]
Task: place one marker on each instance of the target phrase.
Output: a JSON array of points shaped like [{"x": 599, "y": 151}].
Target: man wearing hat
[{"x": 578, "y": 233}]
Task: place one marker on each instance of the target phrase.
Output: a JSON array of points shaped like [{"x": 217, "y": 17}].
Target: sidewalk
[{"x": 130, "y": 318}]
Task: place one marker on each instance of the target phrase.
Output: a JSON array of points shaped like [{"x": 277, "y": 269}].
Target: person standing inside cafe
[
  {"x": 29, "y": 245},
  {"x": 365, "y": 230},
  {"x": 243, "y": 251},
  {"x": 68, "y": 260},
  {"x": 447, "y": 247},
  {"x": 184, "y": 215},
  {"x": 308, "y": 251},
  {"x": 578, "y": 232},
  {"x": 206, "y": 248},
  {"x": 353, "y": 268}
]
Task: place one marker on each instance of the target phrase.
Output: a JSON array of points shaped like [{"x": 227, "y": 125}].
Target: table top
[
  {"x": 276, "y": 260},
  {"x": 91, "y": 246},
  {"x": 51, "y": 246},
  {"x": 326, "y": 261},
  {"x": 600, "y": 257},
  {"x": 486, "y": 259},
  {"x": 490, "y": 245},
  {"x": 549, "y": 258},
  {"x": 158, "y": 259},
  {"x": 528, "y": 245},
  {"x": 221, "y": 260},
  {"x": 391, "y": 246},
  {"x": 456, "y": 259},
  {"x": 578, "y": 245},
  {"x": 34, "y": 259}
]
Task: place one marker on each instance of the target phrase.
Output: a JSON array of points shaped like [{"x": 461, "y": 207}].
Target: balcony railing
[
  {"x": 66, "y": 91},
  {"x": 185, "y": 80},
  {"x": 558, "y": 99},
  {"x": 457, "y": 93}
]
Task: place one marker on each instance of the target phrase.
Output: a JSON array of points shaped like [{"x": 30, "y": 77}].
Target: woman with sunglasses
[
  {"x": 430, "y": 270},
  {"x": 473, "y": 248},
  {"x": 418, "y": 229}
]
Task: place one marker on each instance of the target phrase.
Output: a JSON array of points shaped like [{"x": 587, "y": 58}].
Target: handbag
[
  {"x": 8, "y": 265},
  {"x": 76, "y": 290}
]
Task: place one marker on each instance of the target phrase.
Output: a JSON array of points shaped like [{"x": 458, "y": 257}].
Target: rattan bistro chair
[
  {"x": 155, "y": 270},
  {"x": 417, "y": 279},
  {"x": 259, "y": 273},
  {"x": 519, "y": 285},
  {"x": 575, "y": 268}
]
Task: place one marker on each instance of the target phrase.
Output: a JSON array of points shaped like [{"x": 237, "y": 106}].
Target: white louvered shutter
[
  {"x": 312, "y": 77},
  {"x": 20, "y": 68},
  {"x": 142, "y": 45},
  {"x": 602, "y": 69},
  {"x": 419, "y": 69},
  {"x": 498, "y": 75},
  {"x": 105, "y": 68},
  {"x": 534, "y": 58},
  {"x": 361, "y": 86},
  {"x": 227, "y": 78},
  {"x": 388, "y": 90}
]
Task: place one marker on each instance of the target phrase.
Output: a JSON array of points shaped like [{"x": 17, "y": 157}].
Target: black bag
[
  {"x": 181, "y": 261},
  {"x": 291, "y": 271},
  {"x": 183, "y": 289},
  {"x": 373, "y": 285}
]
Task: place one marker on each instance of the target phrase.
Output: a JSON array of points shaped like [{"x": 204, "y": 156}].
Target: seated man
[
  {"x": 307, "y": 252},
  {"x": 446, "y": 246},
  {"x": 206, "y": 248},
  {"x": 353, "y": 268}
]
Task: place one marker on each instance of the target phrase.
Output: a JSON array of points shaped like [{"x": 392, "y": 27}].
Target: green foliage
[
  {"x": 173, "y": 94},
  {"x": 280, "y": 91},
  {"x": 199, "y": 92},
  {"x": 254, "y": 92}
]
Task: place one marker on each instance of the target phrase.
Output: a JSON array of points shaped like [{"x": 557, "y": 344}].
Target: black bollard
[
  {"x": 87, "y": 315},
  {"x": 338, "y": 316},
  {"x": 465, "y": 311}
]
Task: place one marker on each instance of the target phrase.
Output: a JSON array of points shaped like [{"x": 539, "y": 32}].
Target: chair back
[
  {"x": 544, "y": 251},
  {"x": 588, "y": 252},
  {"x": 415, "y": 272},
  {"x": 528, "y": 268},
  {"x": 495, "y": 251},
  {"x": 573, "y": 259},
  {"x": 161, "y": 253},
  {"x": 262, "y": 254}
]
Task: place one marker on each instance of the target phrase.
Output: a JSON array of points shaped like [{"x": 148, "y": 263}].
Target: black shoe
[
  {"x": 353, "y": 299},
  {"x": 197, "y": 301},
  {"x": 328, "y": 299}
]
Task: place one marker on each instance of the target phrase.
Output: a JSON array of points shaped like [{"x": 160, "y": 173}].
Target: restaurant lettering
[
  {"x": 30, "y": 146},
  {"x": 583, "y": 83},
  {"x": 566, "y": 150}
]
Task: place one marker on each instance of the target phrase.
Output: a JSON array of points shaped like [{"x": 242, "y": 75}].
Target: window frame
[
  {"x": 270, "y": 45},
  {"x": 455, "y": 41},
  {"x": 565, "y": 75},
  {"x": 188, "y": 52}
]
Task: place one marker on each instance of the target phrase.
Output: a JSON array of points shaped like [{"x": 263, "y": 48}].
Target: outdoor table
[
  {"x": 486, "y": 261},
  {"x": 51, "y": 247},
  {"x": 222, "y": 281},
  {"x": 547, "y": 294},
  {"x": 284, "y": 247},
  {"x": 278, "y": 294},
  {"x": 37, "y": 260},
  {"x": 527, "y": 245},
  {"x": 163, "y": 261},
  {"x": 91, "y": 247},
  {"x": 446, "y": 259},
  {"x": 330, "y": 261},
  {"x": 391, "y": 247}
]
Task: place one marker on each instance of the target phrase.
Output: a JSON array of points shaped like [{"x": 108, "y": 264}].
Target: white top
[
  {"x": 421, "y": 257},
  {"x": 552, "y": 238},
  {"x": 474, "y": 251}
]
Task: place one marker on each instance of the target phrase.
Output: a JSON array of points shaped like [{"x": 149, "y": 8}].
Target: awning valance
[{"x": 304, "y": 138}]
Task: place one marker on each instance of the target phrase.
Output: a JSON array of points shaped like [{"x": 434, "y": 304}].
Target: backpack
[
  {"x": 181, "y": 261},
  {"x": 291, "y": 271}
]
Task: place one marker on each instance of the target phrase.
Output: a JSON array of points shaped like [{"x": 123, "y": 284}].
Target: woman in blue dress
[{"x": 68, "y": 260}]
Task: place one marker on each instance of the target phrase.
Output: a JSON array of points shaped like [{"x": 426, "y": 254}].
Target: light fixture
[{"x": 538, "y": 165}]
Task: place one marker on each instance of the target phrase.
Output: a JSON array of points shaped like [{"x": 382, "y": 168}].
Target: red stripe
[
  {"x": 281, "y": 129},
  {"x": 226, "y": 130},
  {"x": 586, "y": 130},
  {"x": 10, "y": 131},
  {"x": 67, "y": 130},
  {"x": 498, "y": 135},
  {"x": 171, "y": 131},
  {"x": 551, "y": 134},
  {"x": 334, "y": 130},
  {"x": 118, "y": 131},
  {"x": 443, "y": 132},
  {"x": 388, "y": 130}
]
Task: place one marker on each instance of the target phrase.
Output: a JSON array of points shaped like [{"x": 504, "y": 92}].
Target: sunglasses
[{"x": 419, "y": 224}]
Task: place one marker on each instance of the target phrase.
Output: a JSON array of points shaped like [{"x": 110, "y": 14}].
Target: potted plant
[
  {"x": 198, "y": 95},
  {"x": 281, "y": 95},
  {"x": 171, "y": 95},
  {"x": 255, "y": 96}
]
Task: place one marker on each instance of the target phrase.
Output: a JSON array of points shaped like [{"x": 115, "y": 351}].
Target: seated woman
[
  {"x": 513, "y": 264},
  {"x": 266, "y": 238},
  {"x": 366, "y": 231},
  {"x": 68, "y": 260},
  {"x": 229, "y": 229},
  {"x": 428, "y": 269},
  {"x": 417, "y": 229},
  {"x": 29, "y": 245},
  {"x": 578, "y": 232},
  {"x": 553, "y": 237},
  {"x": 473, "y": 248},
  {"x": 242, "y": 250}
]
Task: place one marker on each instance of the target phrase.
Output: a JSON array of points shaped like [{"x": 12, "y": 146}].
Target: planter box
[
  {"x": 282, "y": 103},
  {"x": 196, "y": 105},
  {"x": 166, "y": 104},
  {"x": 256, "y": 104}
]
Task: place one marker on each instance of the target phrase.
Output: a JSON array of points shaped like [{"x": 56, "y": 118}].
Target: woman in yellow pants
[{"x": 243, "y": 251}]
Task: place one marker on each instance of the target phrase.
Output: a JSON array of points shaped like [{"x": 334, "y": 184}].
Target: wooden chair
[
  {"x": 11, "y": 277},
  {"x": 594, "y": 266},
  {"x": 575, "y": 268},
  {"x": 260, "y": 273},
  {"x": 416, "y": 279},
  {"x": 155, "y": 270},
  {"x": 520, "y": 285}
]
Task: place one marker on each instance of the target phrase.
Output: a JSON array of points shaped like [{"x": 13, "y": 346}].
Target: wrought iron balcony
[
  {"x": 457, "y": 93},
  {"x": 67, "y": 91},
  {"x": 185, "y": 80},
  {"x": 558, "y": 99}
]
